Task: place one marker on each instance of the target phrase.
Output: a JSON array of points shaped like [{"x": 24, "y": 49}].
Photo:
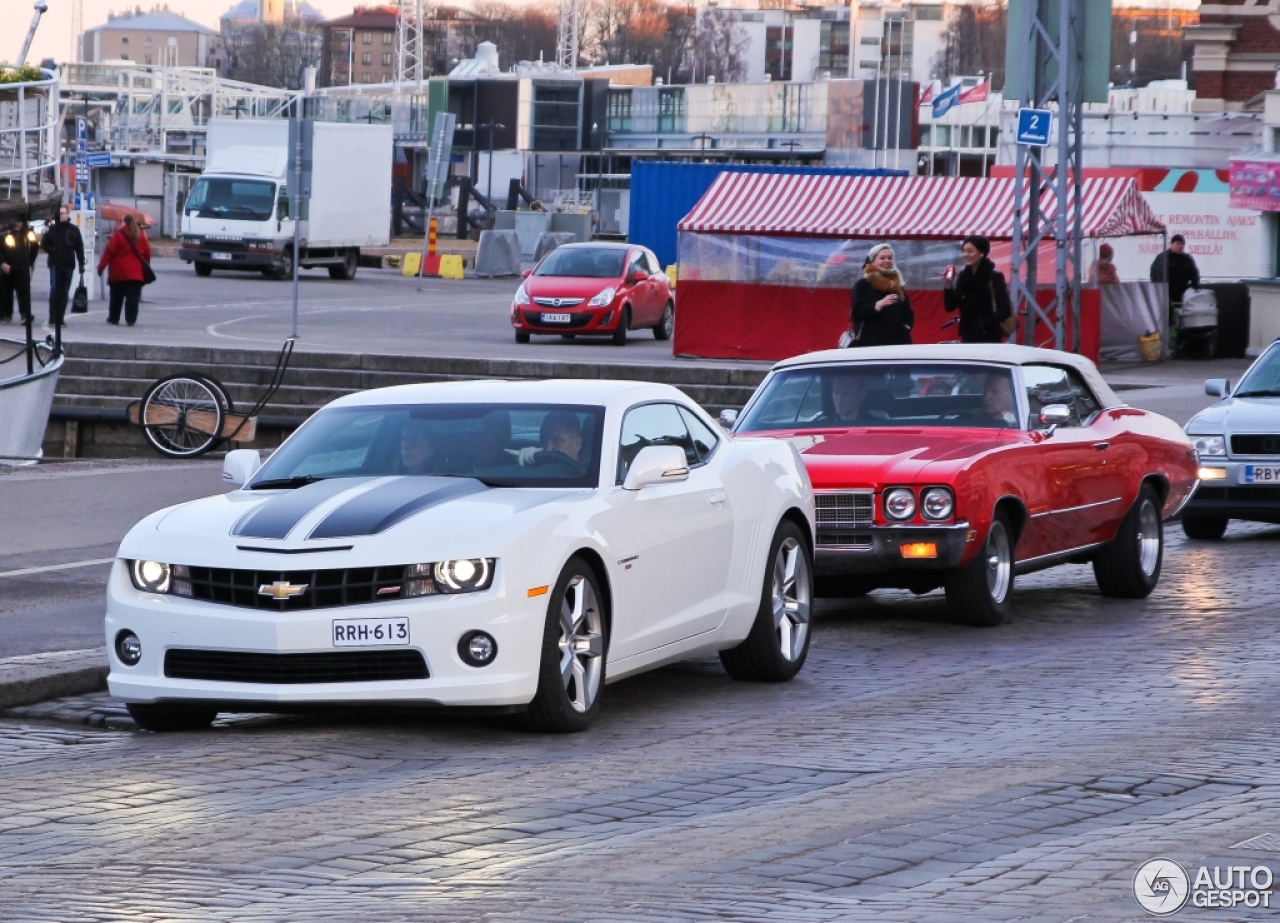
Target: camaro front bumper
[
  {"x": 166, "y": 623},
  {"x": 882, "y": 549}
]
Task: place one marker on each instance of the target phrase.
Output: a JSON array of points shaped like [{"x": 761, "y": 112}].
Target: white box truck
[{"x": 237, "y": 215}]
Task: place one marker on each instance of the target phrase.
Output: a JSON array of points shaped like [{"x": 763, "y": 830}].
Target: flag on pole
[
  {"x": 943, "y": 102},
  {"x": 927, "y": 96},
  {"x": 976, "y": 94}
]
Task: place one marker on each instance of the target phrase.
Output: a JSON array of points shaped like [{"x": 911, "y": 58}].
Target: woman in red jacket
[{"x": 126, "y": 252}]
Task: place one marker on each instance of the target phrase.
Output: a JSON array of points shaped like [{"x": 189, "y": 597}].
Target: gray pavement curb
[{"x": 34, "y": 678}]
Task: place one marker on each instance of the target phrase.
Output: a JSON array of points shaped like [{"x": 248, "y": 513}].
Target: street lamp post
[
  {"x": 792, "y": 145},
  {"x": 491, "y": 125}
]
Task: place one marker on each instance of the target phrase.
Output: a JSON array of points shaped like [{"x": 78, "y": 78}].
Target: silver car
[{"x": 1237, "y": 441}]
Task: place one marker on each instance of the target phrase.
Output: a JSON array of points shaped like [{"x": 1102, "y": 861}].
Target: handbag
[
  {"x": 850, "y": 337},
  {"x": 80, "y": 300},
  {"x": 148, "y": 274},
  {"x": 1008, "y": 326}
]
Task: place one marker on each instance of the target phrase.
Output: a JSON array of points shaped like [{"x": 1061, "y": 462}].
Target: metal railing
[{"x": 29, "y": 149}]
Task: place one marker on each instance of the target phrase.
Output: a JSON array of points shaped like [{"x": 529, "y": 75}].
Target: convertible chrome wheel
[
  {"x": 1148, "y": 537},
  {"x": 581, "y": 644},
  {"x": 999, "y": 561},
  {"x": 979, "y": 592},
  {"x": 792, "y": 597},
  {"x": 1128, "y": 567}
]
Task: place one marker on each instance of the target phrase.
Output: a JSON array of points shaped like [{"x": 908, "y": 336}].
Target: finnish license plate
[
  {"x": 1260, "y": 474},
  {"x": 555, "y": 318},
  {"x": 369, "y": 632},
  {"x": 220, "y": 256}
]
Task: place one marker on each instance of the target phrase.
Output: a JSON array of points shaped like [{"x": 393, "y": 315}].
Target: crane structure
[
  {"x": 412, "y": 53},
  {"x": 77, "y": 27},
  {"x": 567, "y": 36}
]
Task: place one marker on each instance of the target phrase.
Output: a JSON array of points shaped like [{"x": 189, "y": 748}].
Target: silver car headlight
[
  {"x": 937, "y": 503},
  {"x": 899, "y": 503},
  {"x": 150, "y": 576},
  {"x": 464, "y": 575},
  {"x": 1209, "y": 446}
]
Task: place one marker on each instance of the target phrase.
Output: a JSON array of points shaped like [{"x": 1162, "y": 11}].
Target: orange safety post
[{"x": 432, "y": 267}]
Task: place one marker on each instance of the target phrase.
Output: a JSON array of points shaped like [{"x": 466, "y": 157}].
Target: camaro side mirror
[
  {"x": 239, "y": 466},
  {"x": 657, "y": 464},
  {"x": 727, "y": 418},
  {"x": 1053, "y": 416},
  {"x": 1217, "y": 387}
]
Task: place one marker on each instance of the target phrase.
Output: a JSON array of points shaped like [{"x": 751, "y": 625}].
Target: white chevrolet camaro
[{"x": 502, "y": 545}]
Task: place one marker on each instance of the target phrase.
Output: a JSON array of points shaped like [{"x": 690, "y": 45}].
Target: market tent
[{"x": 767, "y": 260}]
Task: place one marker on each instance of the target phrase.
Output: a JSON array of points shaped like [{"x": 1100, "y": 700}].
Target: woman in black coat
[
  {"x": 882, "y": 313},
  {"x": 979, "y": 293}
]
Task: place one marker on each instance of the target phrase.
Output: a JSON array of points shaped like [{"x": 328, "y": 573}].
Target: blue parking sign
[{"x": 1034, "y": 126}]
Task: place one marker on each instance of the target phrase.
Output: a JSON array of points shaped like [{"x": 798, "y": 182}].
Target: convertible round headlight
[
  {"x": 900, "y": 503},
  {"x": 462, "y": 575},
  {"x": 937, "y": 503},
  {"x": 150, "y": 576}
]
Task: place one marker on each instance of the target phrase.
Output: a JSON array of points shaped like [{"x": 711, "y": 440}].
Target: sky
[{"x": 53, "y": 38}]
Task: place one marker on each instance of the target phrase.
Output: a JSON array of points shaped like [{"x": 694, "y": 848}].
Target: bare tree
[
  {"x": 974, "y": 43},
  {"x": 1160, "y": 51},
  {"x": 521, "y": 33},
  {"x": 274, "y": 55},
  {"x": 719, "y": 47}
]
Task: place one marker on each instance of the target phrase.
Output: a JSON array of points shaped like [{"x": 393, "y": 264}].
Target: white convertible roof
[
  {"x": 595, "y": 391},
  {"x": 992, "y": 353}
]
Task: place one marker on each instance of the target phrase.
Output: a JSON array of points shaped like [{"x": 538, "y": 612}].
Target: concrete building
[
  {"x": 157, "y": 37},
  {"x": 361, "y": 48}
]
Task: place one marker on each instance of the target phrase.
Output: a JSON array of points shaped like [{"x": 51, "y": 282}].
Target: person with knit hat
[
  {"x": 1103, "y": 270},
  {"x": 882, "y": 314}
]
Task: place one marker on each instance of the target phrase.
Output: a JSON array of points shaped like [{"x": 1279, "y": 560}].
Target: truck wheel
[
  {"x": 979, "y": 592},
  {"x": 1204, "y": 528},
  {"x": 203, "y": 269},
  {"x": 348, "y": 268},
  {"x": 1129, "y": 567},
  {"x": 285, "y": 270}
]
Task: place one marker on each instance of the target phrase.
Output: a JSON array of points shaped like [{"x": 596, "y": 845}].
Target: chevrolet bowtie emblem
[{"x": 282, "y": 589}]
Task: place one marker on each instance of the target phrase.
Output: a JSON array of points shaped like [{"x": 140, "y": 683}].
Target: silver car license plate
[
  {"x": 220, "y": 256},
  {"x": 370, "y": 632},
  {"x": 1260, "y": 474},
  {"x": 555, "y": 318}
]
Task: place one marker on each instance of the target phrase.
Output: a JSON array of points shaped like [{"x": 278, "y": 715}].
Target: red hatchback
[{"x": 594, "y": 290}]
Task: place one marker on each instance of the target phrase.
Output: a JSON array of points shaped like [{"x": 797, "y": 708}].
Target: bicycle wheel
[
  {"x": 182, "y": 416},
  {"x": 224, "y": 397}
]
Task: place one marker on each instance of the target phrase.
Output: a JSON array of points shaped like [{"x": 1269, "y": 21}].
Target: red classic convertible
[{"x": 962, "y": 466}]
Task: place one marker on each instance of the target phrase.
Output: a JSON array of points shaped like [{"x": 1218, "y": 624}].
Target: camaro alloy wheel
[
  {"x": 979, "y": 592},
  {"x": 571, "y": 674},
  {"x": 1129, "y": 566},
  {"x": 776, "y": 648}
]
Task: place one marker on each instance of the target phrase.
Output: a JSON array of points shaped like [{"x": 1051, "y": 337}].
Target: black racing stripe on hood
[
  {"x": 277, "y": 517},
  {"x": 379, "y": 509}
]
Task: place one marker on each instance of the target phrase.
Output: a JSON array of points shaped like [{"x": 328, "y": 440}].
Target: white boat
[{"x": 28, "y": 378}]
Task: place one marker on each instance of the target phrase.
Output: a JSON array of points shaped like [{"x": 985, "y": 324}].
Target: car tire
[
  {"x": 203, "y": 269},
  {"x": 667, "y": 325},
  {"x": 572, "y": 665},
  {"x": 620, "y": 334},
  {"x": 522, "y": 337},
  {"x": 1128, "y": 567},
  {"x": 778, "y": 643},
  {"x": 346, "y": 271},
  {"x": 284, "y": 271},
  {"x": 1204, "y": 528},
  {"x": 979, "y": 592},
  {"x": 568, "y": 336},
  {"x": 161, "y": 718}
]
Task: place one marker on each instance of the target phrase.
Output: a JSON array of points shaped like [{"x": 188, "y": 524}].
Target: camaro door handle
[
  {"x": 1102, "y": 446},
  {"x": 716, "y": 498}
]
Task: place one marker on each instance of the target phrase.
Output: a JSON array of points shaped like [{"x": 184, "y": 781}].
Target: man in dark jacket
[
  {"x": 65, "y": 247},
  {"x": 18, "y": 250},
  {"x": 1178, "y": 268},
  {"x": 979, "y": 293}
]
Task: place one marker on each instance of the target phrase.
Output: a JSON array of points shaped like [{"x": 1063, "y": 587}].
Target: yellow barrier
[
  {"x": 672, "y": 272},
  {"x": 410, "y": 264},
  {"x": 451, "y": 266}
]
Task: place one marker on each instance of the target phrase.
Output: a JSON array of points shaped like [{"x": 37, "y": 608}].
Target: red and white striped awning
[{"x": 900, "y": 207}]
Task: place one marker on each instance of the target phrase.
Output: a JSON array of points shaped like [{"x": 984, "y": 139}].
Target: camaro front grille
[
  {"x": 325, "y": 589},
  {"x": 286, "y": 669},
  {"x": 1258, "y": 445},
  {"x": 844, "y": 509}
]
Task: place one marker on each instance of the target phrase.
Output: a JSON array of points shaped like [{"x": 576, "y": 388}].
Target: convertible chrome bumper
[{"x": 881, "y": 549}]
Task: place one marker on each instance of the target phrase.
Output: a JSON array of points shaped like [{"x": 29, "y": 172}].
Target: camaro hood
[{"x": 1238, "y": 415}]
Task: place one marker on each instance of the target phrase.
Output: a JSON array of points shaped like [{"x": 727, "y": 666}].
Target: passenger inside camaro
[{"x": 418, "y": 453}]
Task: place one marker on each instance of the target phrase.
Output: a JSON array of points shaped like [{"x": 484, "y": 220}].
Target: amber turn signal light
[{"x": 919, "y": 550}]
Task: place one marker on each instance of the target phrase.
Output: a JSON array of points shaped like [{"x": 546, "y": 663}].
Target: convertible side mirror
[
  {"x": 1217, "y": 387},
  {"x": 728, "y": 418},
  {"x": 239, "y": 466},
  {"x": 1054, "y": 415},
  {"x": 657, "y": 464},
  {"x": 526, "y": 273}
]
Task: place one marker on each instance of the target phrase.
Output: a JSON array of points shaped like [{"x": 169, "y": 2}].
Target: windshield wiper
[
  {"x": 301, "y": 480},
  {"x": 1261, "y": 392}
]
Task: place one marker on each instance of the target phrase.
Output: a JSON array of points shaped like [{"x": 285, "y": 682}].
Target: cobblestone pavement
[{"x": 917, "y": 770}]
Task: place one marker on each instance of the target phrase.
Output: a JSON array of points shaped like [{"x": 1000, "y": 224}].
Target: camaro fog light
[
  {"x": 128, "y": 648},
  {"x": 919, "y": 550},
  {"x": 937, "y": 503},
  {"x": 900, "y": 503},
  {"x": 477, "y": 649},
  {"x": 1212, "y": 474},
  {"x": 150, "y": 576},
  {"x": 462, "y": 576}
]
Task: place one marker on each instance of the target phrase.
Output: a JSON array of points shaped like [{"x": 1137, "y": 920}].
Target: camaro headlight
[
  {"x": 522, "y": 296},
  {"x": 464, "y": 575},
  {"x": 1209, "y": 446},
  {"x": 603, "y": 299},
  {"x": 937, "y": 503},
  {"x": 900, "y": 503},
  {"x": 150, "y": 576}
]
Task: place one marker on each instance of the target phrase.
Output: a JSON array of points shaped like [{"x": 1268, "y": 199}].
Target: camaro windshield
[
  {"x": 584, "y": 262},
  {"x": 885, "y": 394},
  {"x": 506, "y": 445}
]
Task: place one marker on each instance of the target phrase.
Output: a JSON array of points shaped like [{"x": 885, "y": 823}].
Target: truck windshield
[{"x": 221, "y": 197}]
